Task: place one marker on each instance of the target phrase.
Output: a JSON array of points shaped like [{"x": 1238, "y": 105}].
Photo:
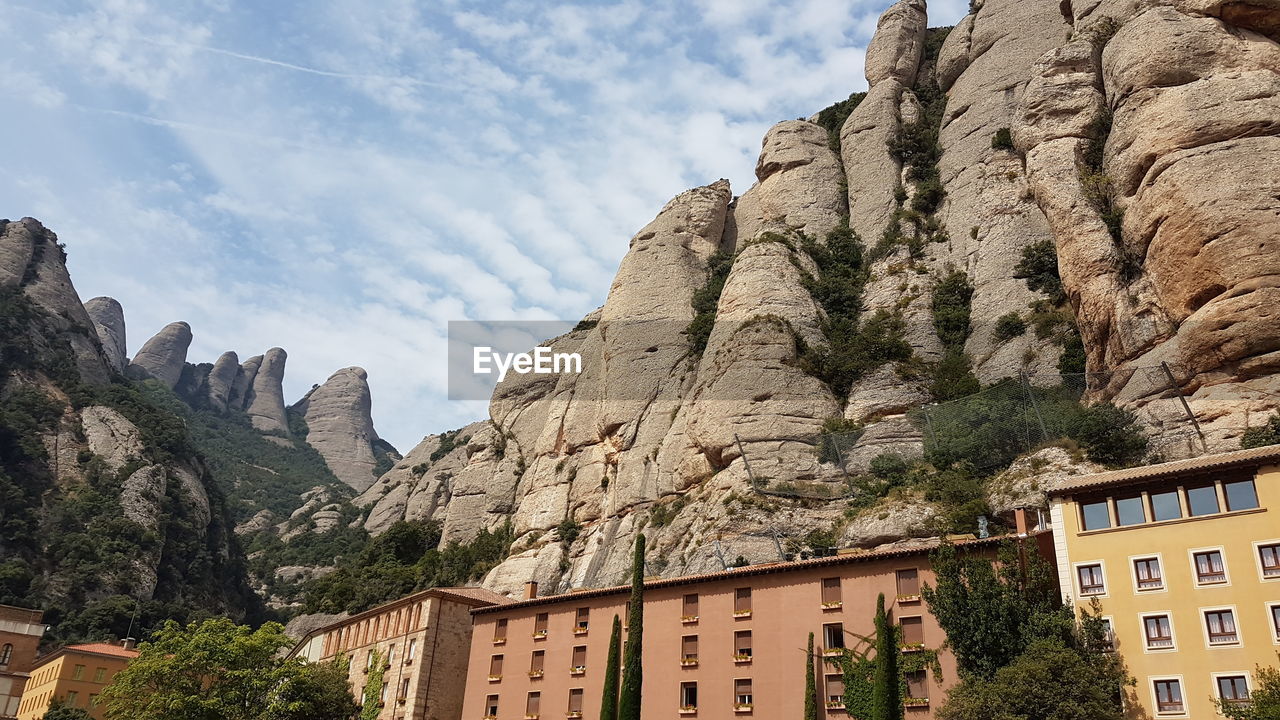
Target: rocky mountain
[{"x": 1071, "y": 193}]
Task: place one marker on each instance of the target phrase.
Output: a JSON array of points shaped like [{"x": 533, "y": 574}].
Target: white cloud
[{"x": 342, "y": 178}]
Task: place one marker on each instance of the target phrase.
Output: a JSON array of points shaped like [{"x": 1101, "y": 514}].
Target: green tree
[
  {"x": 1268, "y": 434},
  {"x": 810, "y": 684},
  {"x": 217, "y": 670},
  {"x": 58, "y": 711},
  {"x": 886, "y": 695},
  {"x": 613, "y": 662},
  {"x": 632, "y": 673},
  {"x": 1264, "y": 700}
]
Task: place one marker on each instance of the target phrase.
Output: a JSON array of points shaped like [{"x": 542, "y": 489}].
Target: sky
[{"x": 341, "y": 178}]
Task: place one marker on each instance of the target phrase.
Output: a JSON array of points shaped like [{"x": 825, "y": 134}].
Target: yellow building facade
[
  {"x": 74, "y": 676},
  {"x": 1183, "y": 559}
]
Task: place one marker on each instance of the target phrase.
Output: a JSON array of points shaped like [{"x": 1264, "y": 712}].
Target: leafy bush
[
  {"x": 1039, "y": 267},
  {"x": 832, "y": 118},
  {"x": 449, "y": 441},
  {"x": 1009, "y": 326},
  {"x": 1268, "y": 434},
  {"x": 1110, "y": 435},
  {"x": 1002, "y": 139},
  {"x": 568, "y": 530},
  {"x": 704, "y": 302}
]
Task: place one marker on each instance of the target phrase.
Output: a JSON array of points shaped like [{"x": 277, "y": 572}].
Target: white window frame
[
  {"x": 1173, "y": 633},
  {"x": 1195, "y": 572},
  {"x": 1272, "y": 628},
  {"x": 1257, "y": 559},
  {"x": 1204, "y": 627},
  {"x": 1155, "y": 702},
  {"x": 1164, "y": 578},
  {"x": 1075, "y": 574},
  {"x": 1111, "y": 630},
  {"x": 1248, "y": 681}
]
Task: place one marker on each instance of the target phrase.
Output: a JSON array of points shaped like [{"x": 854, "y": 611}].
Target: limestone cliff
[
  {"x": 1137, "y": 148},
  {"x": 340, "y": 427}
]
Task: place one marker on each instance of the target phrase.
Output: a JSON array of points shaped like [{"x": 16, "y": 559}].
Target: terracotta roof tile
[
  {"x": 476, "y": 593},
  {"x": 1220, "y": 461},
  {"x": 103, "y": 649}
]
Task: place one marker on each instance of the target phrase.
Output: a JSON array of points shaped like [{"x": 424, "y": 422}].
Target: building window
[
  {"x": 688, "y": 695},
  {"x": 908, "y": 583},
  {"x": 742, "y": 692},
  {"x": 495, "y": 667},
  {"x": 491, "y": 706},
  {"x": 1221, "y": 625},
  {"x": 100, "y": 675},
  {"x": 72, "y": 698},
  {"x": 404, "y": 689},
  {"x": 1147, "y": 573},
  {"x": 411, "y": 651},
  {"x": 540, "y": 625},
  {"x": 689, "y": 610},
  {"x": 368, "y": 660},
  {"x": 1210, "y": 568},
  {"x": 1275, "y": 621},
  {"x": 1169, "y": 697},
  {"x": 1096, "y": 515},
  {"x": 1241, "y": 495},
  {"x": 537, "y": 663},
  {"x": 831, "y": 592},
  {"x": 391, "y": 655},
  {"x": 1159, "y": 632},
  {"x": 1091, "y": 580},
  {"x": 1269, "y": 556},
  {"x": 6, "y": 654},
  {"x": 1165, "y": 506},
  {"x": 1108, "y": 635},
  {"x": 582, "y": 620},
  {"x": 689, "y": 648},
  {"x": 575, "y": 701},
  {"x": 833, "y": 636},
  {"x": 917, "y": 685},
  {"x": 500, "y": 631},
  {"x": 834, "y": 685},
  {"x": 1129, "y": 511},
  {"x": 78, "y": 674},
  {"x": 1233, "y": 689},
  {"x": 578, "y": 661},
  {"x": 1202, "y": 500},
  {"x": 533, "y": 705},
  {"x": 382, "y": 694},
  {"x": 912, "y": 631},
  {"x": 742, "y": 644},
  {"x": 742, "y": 601}
]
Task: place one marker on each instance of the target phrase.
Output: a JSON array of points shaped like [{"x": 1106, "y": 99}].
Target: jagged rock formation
[
  {"x": 222, "y": 378},
  {"x": 163, "y": 356},
  {"x": 32, "y": 260},
  {"x": 648, "y": 436},
  {"x": 108, "y": 320},
  {"x": 340, "y": 427},
  {"x": 1151, "y": 143},
  {"x": 266, "y": 398}
]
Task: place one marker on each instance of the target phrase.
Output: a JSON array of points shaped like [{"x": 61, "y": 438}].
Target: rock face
[
  {"x": 163, "y": 356},
  {"x": 32, "y": 259},
  {"x": 894, "y": 51},
  {"x": 266, "y": 396},
  {"x": 1188, "y": 276},
  {"x": 340, "y": 427},
  {"x": 108, "y": 321},
  {"x": 222, "y": 380}
]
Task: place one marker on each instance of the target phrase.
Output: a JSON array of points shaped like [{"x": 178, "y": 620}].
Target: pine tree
[
  {"x": 810, "y": 685},
  {"x": 609, "y": 703},
  {"x": 886, "y": 693},
  {"x": 632, "y": 674}
]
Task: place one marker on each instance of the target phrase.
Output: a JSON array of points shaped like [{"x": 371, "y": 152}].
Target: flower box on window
[
  {"x": 905, "y": 599},
  {"x": 915, "y": 702},
  {"x": 500, "y": 641},
  {"x": 742, "y": 707},
  {"x": 578, "y": 670},
  {"x": 536, "y": 673},
  {"x": 688, "y": 661},
  {"x": 741, "y": 658},
  {"x": 539, "y": 634},
  {"x": 688, "y": 619},
  {"x": 579, "y": 631},
  {"x": 835, "y": 704},
  {"x": 495, "y": 678},
  {"x": 836, "y": 605},
  {"x": 742, "y": 613},
  {"x": 531, "y": 716},
  {"x": 688, "y": 709},
  {"x": 912, "y": 647},
  {"x": 572, "y": 714}
]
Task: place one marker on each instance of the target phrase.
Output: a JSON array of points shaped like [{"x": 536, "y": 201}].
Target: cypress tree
[
  {"x": 632, "y": 674},
  {"x": 886, "y": 694},
  {"x": 810, "y": 685},
  {"x": 609, "y": 703}
]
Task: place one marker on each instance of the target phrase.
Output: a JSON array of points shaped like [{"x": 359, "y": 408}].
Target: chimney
[
  {"x": 530, "y": 590},
  {"x": 1020, "y": 521},
  {"x": 129, "y": 643}
]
